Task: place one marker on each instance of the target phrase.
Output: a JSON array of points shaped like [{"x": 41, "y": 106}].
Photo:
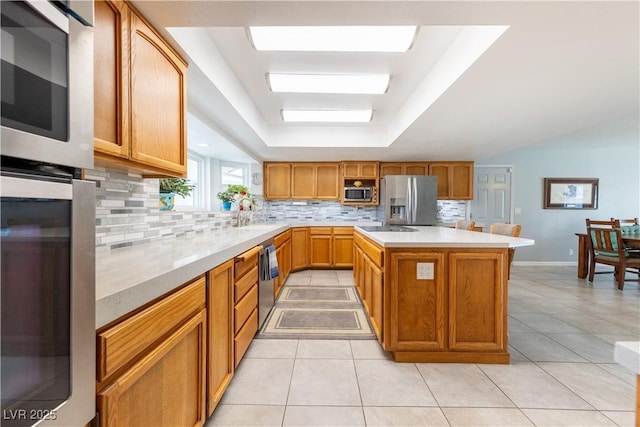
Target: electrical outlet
[
  {"x": 425, "y": 271},
  {"x": 570, "y": 251}
]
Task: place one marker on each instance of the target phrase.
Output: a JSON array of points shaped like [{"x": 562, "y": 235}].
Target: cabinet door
[
  {"x": 164, "y": 388},
  {"x": 368, "y": 170},
  {"x": 321, "y": 248},
  {"x": 158, "y": 101},
  {"x": 441, "y": 171},
  {"x": 350, "y": 169},
  {"x": 277, "y": 180},
  {"x": 461, "y": 181},
  {"x": 391, "y": 169},
  {"x": 477, "y": 301},
  {"x": 343, "y": 247},
  {"x": 220, "y": 332},
  {"x": 303, "y": 180},
  {"x": 327, "y": 183},
  {"x": 377, "y": 303},
  {"x": 417, "y": 306},
  {"x": 111, "y": 78},
  {"x": 416, "y": 169},
  {"x": 299, "y": 248},
  {"x": 279, "y": 281},
  {"x": 286, "y": 261}
]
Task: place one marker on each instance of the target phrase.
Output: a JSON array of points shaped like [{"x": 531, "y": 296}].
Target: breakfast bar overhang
[{"x": 436, "y": 294}]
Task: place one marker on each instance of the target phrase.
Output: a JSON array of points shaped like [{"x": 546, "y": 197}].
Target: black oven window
[
  {"x": 35, "y": 307},
  {"x": 34, "y": 73}
]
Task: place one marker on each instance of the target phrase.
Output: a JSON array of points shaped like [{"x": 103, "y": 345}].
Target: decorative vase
[
  {"x": 226, "y": 206},
  {"x": 166, "y": 201}
]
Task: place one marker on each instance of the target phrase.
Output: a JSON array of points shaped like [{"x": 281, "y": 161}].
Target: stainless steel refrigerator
[{"x": 409, "y": 199}]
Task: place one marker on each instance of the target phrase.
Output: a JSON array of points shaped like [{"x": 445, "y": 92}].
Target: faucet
[{"x": 243, "y": 219}]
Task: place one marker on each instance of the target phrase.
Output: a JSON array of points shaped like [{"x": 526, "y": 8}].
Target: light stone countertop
[
  {"x": 443, "y": 237},
  {"x": 130, "y": 277},
  {"x": 627, "y": 353}
]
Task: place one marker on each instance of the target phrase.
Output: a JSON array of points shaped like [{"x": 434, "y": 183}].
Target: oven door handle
[
  {"x": 35, "y": 189},
  {"x": 51, "y": 13}
]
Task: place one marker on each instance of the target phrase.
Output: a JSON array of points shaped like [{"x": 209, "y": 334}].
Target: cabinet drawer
[
  {"x": 121, "y": 343},
  {"x": 242, "y": 285},
  {"x": 281, "y": 238},
  {"x": 319, "y": 230},
  {"x": 244, "y": 337},
  {"x": 246, "y": 261},
  {"x": 244, "y": 308},
  {"x": 372, "y": 251},
  {"x": 343, "y": 230}
]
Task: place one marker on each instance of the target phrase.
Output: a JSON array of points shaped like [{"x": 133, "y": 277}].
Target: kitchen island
[{"x": 436, "y": 294}]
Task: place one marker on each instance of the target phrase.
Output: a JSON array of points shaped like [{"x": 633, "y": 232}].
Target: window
[
  {"x": 195, "y": 174},
  {"x": 233, "y": 173}
]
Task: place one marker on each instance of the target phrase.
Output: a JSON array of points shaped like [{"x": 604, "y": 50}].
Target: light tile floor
[{"x": 562, "y": 332}]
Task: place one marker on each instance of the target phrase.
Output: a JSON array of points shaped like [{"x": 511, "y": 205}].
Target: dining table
[{"x": 630, "y": 239}]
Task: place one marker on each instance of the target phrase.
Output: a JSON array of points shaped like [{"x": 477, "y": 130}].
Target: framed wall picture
[{"x": 570, "y": 193}]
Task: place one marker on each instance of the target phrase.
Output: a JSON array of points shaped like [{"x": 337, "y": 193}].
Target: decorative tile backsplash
[{"x": 127, "y": 212}]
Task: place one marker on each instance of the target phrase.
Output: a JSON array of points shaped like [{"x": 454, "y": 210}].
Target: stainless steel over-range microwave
[{"x": 358, "y": 194}]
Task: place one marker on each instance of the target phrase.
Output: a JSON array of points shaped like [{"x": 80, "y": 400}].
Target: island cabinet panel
[
  {"x": 220, "y": 363},
  {"x": 417, "y": 306},
  {"x": 368, "y": 277},
  {"x": 477, "y": 298},
  {"x": 277, "y": 180}
]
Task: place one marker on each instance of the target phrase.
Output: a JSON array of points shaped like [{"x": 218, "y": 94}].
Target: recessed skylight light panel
[{"x": 334, "y": 38}]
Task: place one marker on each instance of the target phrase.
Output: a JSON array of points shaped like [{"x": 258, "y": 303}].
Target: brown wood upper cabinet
[
  {"x": 314, "y": 181},
  {"x": 301, "y": 180},
  {"x": 139, "y": 95},
  {"x": 455, "y": 179},
  {"x": 403, "y": 168},
  {"x": 360, "y": 169},
  {"x": 277, "y": 180}
]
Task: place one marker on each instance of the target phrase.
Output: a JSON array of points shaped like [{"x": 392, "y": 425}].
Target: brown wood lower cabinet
[
  {"x": 220, "y": 360},
  {"x": 245, "y": 312},
  {"x": 458, "y": 315},
  {"x": 163, "y": 383},
  {"x": 299, "y": 248}
]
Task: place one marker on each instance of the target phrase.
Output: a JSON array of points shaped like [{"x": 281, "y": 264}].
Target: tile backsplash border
[{"x": 127, "y": 212}]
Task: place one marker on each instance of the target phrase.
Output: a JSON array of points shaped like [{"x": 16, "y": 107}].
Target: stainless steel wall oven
[{"x": 47, "y": 215}]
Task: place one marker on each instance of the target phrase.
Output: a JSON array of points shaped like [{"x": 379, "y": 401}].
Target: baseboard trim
[{"x": 548, "y": 263}]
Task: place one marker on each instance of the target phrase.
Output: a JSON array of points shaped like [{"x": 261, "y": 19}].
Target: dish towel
[{"x": 273, "y": 262}]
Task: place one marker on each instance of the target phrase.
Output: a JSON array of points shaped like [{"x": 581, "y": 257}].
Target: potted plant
[
  {"x": 232, "y": 193},
  {"x": 170, "y": 187}
]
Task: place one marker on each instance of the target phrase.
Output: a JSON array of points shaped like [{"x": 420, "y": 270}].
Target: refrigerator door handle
[
  {"x": 409, "y": 207},
  {"x": 414, "y": 201}
]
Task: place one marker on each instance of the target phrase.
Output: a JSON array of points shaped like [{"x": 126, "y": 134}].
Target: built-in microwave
[
  {"x": 357, "y": 194},
  {"x": 47, "y": 81}
]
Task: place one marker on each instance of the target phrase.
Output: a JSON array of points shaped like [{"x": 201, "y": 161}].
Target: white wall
[{"x": 610, "y": 154}]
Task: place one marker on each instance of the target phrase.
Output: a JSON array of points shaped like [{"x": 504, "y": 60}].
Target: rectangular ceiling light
[
  {"x": 329, "y": 83},
  {"x": 334, "y": 39},
  {"x": 327, "y": 116}
]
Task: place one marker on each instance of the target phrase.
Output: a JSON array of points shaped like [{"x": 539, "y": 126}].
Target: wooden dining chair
[
  {"x": 512, "y": 230},
  {"x": 465, "y": 225},
  {"x": 606, "y": 247}
]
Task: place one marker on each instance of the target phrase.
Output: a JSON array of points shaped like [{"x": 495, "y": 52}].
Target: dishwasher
[{"x": 265, "y": 283}]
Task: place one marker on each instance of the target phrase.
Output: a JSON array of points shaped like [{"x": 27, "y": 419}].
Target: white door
[{"x": 492, "y": 195}]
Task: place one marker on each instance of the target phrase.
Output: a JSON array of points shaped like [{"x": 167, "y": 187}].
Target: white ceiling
[{"x": 550, "y": 69}]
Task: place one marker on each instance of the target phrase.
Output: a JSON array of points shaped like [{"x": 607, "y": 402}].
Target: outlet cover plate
[{"x": 425, "y": 271}]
